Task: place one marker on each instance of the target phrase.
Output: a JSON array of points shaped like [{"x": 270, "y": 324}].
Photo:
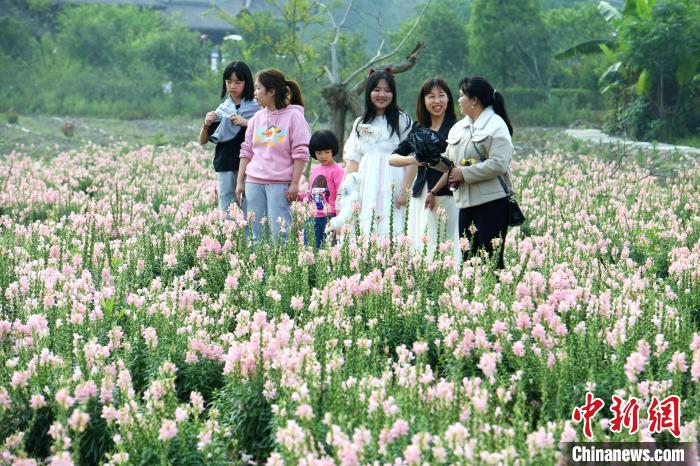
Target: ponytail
[
  {"x": 499, "y": 106},
  {"x": 286, "y": 91},
  {"x": 294, "y": 95},
  {"x": 488, "y": 96}
]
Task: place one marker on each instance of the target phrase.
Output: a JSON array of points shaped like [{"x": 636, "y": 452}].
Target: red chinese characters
[
  {"x": 587, "y": 412},
  {"x": 625, "y": 414},
  {"x": 665, "y": 415},
  {"x": 662, "y": 415}
]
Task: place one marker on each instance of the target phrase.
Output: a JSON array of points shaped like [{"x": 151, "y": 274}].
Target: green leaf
[
  {"x": 588, "y": 47},
  {"x": 608, "y": 52},
  {"x": 608, "y": 87},
  {"x": 686, "y": 71},
  {"x": 644, "y": 83},
  {"x": 644, "y": 8},
  {"x": 610, "y": 72},
  {"x": 630, "y": 8},
  {"x": 609, "y": 12}
]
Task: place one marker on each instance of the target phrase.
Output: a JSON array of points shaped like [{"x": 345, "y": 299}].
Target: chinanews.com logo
[
  {"x": 627, "y": 453},
  {"x": 663, "y": 415}
]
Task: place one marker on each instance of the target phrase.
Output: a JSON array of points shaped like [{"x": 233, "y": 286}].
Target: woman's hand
[
  {"x": 398, "y": 160},
  {"x": 240, "y": 189},
  {"x": 456, "y": 175},
  {"x": 430, "y": 201},
  {"x": 209, "y": 118},
  {"x": 239, "y": 120},
  {"x": 292, "y": 192},
  {"x": 402, "y": 200}
]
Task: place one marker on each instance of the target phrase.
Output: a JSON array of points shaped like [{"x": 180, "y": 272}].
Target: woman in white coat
[{"x": 480, "y": 146}]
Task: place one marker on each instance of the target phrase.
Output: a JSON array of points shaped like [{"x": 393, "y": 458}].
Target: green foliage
[
  {"x": 174, "y": 53},
  {"x": 95, "y": 440},
  {"x": 16, "y": 39},
  {"x": 569, "y": 26},
  {"x": 113, "y": 60},
  {"x": 284, "y": 35},
  {"x": 663, "y": 74},
  {"x": 102, "y": 36},
  {"x": 247, "y": 413},
  {"x": 575, "y": 35},
  {"x": 652, "y": 83},
  {"x": 203, "y": 377},
  {"x": 445, "y": 55},
  {"x": 553, "y": 4},
  {"x": 509, "y": 43},
  {"x": 38, "y": 440},
  {"x": 12, "y": 117},
  {"x": 556, "y": 107},
  {"x": 106, "y": 60}
]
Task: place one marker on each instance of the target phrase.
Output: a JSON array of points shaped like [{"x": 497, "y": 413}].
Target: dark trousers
[
  {"x": 491, "y": 221},
  {"x": 320, "y": 230}
]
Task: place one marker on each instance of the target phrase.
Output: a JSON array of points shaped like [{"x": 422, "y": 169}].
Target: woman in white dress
[{"x": 384, "y": 190}]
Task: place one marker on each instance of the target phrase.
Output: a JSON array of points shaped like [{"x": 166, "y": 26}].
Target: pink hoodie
[{"x": 273, "y": 141}]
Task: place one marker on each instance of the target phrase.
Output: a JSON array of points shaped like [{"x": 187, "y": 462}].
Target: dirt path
[{"x": 597, "y": 136}]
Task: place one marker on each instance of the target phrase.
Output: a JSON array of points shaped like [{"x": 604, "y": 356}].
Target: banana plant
[
  {"x": 612, "y": 77},
  {"x": 635, "y": 78}
]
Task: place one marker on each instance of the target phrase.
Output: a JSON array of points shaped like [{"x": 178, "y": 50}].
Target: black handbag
[{"x": 515, "y": 214}]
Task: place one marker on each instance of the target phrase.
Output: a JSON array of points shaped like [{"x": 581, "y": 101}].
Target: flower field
[{"x": 137, "y": 326}]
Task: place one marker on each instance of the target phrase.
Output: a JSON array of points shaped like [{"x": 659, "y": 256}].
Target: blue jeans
[
  {"x": 320, "y": 229},
  {"x": 227, "y": 189},
  {"x": 268, "y": 201}
]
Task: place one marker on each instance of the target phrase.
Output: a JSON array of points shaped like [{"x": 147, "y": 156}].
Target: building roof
[
  {"x": 203, "y": 15},
  {"x": 199, "y": 15}
]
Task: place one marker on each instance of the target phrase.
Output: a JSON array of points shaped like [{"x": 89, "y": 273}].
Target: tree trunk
[
  {"x": 340, "y": 102},
  {"x": 334, "y": 95}
]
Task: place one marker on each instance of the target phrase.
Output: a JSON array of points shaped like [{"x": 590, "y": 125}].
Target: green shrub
[
  {"x": 108, "y": 61},
  {"x": 248, "y": 414},
  {"x": 559, "y": 107},
  {"x": 12, "y": 117}
]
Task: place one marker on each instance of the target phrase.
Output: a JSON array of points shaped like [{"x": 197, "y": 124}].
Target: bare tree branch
[
  {"x": 333, "y": 75},
  {"x": 315, "y": 120},
  {"x": 406, "y": 64},
  {"x": 328, "y": 73},
  {"x": 379, "y": 58}
]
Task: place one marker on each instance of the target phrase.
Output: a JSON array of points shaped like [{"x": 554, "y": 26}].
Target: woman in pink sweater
[{"x": 273, "y": 155}]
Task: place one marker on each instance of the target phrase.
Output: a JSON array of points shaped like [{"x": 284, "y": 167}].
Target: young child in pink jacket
[{"x": 325, "y": 180}]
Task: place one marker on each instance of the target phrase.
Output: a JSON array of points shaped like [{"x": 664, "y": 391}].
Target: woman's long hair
[
  {"x": 392, "y": 112},
  {"x": 286, "y": 91},
  {"x": 422, "y": 113},
  {"x": 243, "y": 73},
  {"x": 487, "y": 95}
]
